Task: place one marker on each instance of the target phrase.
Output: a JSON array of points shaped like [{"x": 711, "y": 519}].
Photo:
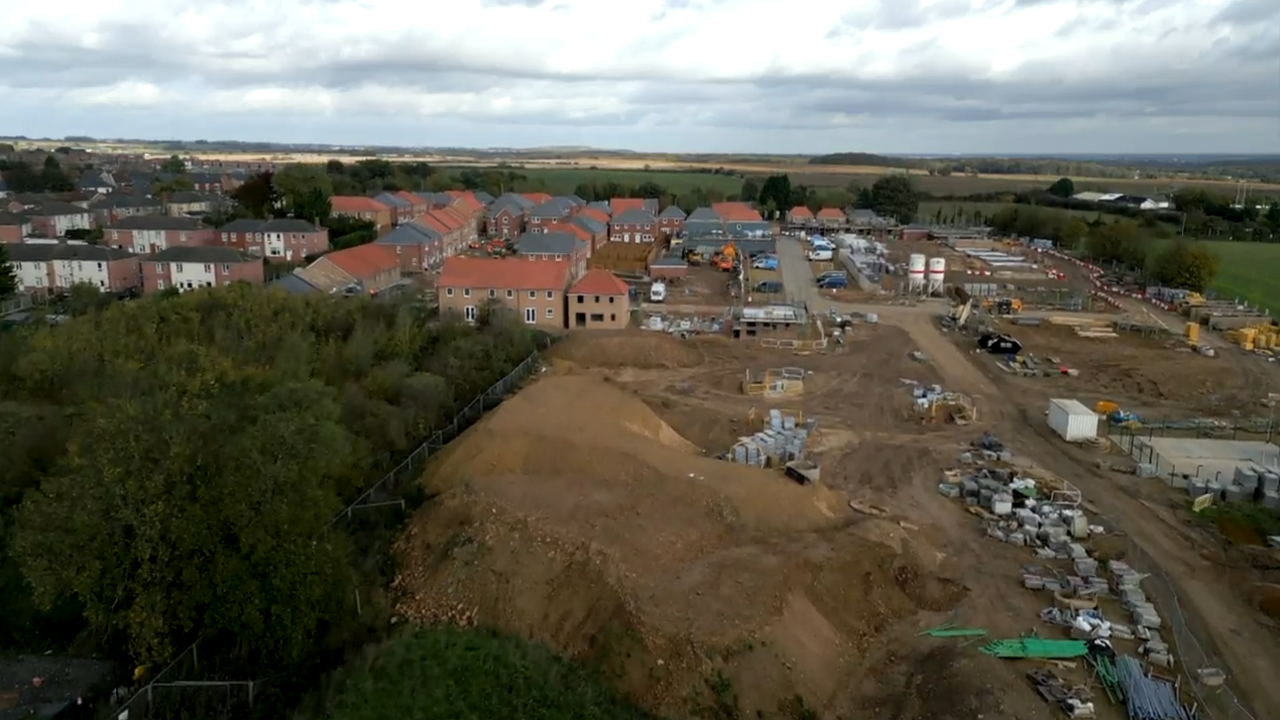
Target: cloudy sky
[{"x": 804, "y": 76}]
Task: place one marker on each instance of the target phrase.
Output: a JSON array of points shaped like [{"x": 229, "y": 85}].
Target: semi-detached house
[
  {"x": 425, "y": 242},
  {"x": 362, "y": 208},
  {"x": 534, "y": 291},
  {"x": 54, "y": 218},
  {"x": 401, "y": 209},
  {"x": 191, "y": 268},
  {"x": 281, "y": 240},
  {"x": 144, "y": 234},
  {"x": 638, "y": 226},
  {"x": 671, "y": 221},
  {"x": 507, "y": 216},
  {"x": 13, "y": 227},
  {"x": 45, "y": 267}
]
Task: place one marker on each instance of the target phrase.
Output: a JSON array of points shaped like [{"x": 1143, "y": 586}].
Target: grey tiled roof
[
  {"x": 293, "y": 284},
  {"x": 210, "y": 255},
  {"x": 44, "y": 252},
  {"x": 289, "y": 225},
  {"x": 635, "y": 217},
  {"x": 672, "y": 212},
  {"x": 484, "y": 197},
  {"x": 408, "y": 234},
  {"x": 242, "y": 225},
  {"x": 599, "y": 205},
  {"x": 550, "y": 209},
  {"x": 156, "y": 222},
  {"x": 704, "y": 213},
  {"x": 590, "y": 225},
  {"x": 392, "y": 201},
  {"x": 552, "y": 243}
]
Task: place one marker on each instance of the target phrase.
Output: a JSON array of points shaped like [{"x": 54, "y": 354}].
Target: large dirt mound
[
  {"x": 626, "y": 348},
  {"x": 573, "y": 515}
]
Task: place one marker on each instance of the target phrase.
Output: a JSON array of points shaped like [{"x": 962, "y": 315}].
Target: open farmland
[
  {"x": 929, "y": 210},
  {"x": 1247, "y": 271},
  {"x": 562, "y": 181}
]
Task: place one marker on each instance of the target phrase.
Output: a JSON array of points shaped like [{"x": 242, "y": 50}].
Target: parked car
[
  {"x": 830, "y": 274},
  {"x": 658, "y": 292},
  {"x": 835, "y": 282},
  {"x": 821, "y": 255},
  {"x": 768, "y": 286},
  {"x": 766, "y": 262}
]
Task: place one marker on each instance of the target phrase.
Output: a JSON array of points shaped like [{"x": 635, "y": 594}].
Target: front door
[{"x": 580, "y": 320}]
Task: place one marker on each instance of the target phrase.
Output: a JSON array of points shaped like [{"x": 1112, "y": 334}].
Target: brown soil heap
[{"x": 573, "y": 515}]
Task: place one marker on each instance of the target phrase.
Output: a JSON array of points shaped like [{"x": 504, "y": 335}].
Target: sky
[{"x": 749, "y": 76}]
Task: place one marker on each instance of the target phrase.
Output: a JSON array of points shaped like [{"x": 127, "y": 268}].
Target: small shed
[{"x": 1072, "y": 420}]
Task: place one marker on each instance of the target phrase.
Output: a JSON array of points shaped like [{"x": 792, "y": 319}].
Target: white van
[
  {"x": 658, "y": 292},
  {"x": 821, "y": 254}
]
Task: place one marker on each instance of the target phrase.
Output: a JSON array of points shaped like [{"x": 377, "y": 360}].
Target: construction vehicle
[
  {"x": 726, "y": 258},
  {"x": 1002, "y": 305},
  {"x": 693, "y": 257}
]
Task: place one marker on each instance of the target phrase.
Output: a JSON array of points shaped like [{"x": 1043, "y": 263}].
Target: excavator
[
  {"x": 726, "y": 258},
  {"x": 1003, "y": 305}
]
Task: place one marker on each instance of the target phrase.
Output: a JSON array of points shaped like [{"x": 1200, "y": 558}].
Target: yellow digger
[{"x": 1002, "y": 306}]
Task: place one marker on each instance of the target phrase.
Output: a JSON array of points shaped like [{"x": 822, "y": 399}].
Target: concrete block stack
[
  {"x": 1127, "y": 586},
  {"x": 784, "y": 439}
]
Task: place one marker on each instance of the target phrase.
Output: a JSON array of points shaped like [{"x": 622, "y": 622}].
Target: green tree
[
  {"x": 313, "y": 205},
  {"x": 20, "y": 177},
  {"x": 295, "y": 182},
  {"x": 895, "y": 196},
  {"x": 1190, "y": 266},
  {"x": 1063, "y": 188},
  {"x": 1118, "y": 242},
  {"x": 177, "y": 183},
  {"x": 776, "y": 193},
  {"x": 174, "y": 165},
  {"x": 750, "y": 190},
  {"x": 258, "y": 195},
  {"x": 53, "y": 178},
  {"x": 8, "y": 278}
]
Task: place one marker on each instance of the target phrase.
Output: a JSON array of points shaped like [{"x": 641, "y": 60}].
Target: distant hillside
[{"x": 1257, "y": 168}]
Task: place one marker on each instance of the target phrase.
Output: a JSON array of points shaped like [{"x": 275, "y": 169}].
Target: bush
[{"x": 1190, "y": 266}]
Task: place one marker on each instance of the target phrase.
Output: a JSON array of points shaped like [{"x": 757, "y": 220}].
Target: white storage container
[{"x": 1072, "y": 420}]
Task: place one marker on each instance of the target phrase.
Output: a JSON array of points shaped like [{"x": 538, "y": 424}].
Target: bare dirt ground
[{"x": 585, "y": 513}]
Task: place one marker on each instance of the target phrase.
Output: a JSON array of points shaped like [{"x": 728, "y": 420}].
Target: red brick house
[
  {"x": 533, "y": 290},
  {"x": 13, "y": 227},
  {"x": 671, "y": 221},
  {"x": 363, "y": 208},
  {"x": 508, "y": 216},
  {"x": 53, "y": 219},
  {"x": 470, "y": 209},
  {"x": 417, "y": 203},
  {"x": 599, "y": 301},
  {"x": 144, "y": 234},
  {"x": 555, "y": 247},
  {"x": 282, "y": 240},
  {"x": 639, "y": 226},
  {"x": 191, "y": 268}
]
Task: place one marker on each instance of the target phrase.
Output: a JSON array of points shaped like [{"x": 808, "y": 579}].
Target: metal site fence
[
  {"x": 1132, "y": 439},
  {"x": 214, "y": 696},
  {"x": 1192, "y": 646}
]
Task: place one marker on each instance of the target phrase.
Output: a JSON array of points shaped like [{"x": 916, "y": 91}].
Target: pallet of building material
[
  {"x": 1035, "y": 648},
  {"x": 1073, "y": 321}
]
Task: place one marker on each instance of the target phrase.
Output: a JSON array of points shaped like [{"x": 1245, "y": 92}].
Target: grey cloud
[{"x": 1248, "y": 12}]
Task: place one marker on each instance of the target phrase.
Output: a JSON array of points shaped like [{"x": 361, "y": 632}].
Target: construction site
[{"x": 890, "y": 517}]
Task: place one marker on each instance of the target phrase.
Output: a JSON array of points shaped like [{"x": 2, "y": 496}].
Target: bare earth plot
[{"x": 585, "y": 513}]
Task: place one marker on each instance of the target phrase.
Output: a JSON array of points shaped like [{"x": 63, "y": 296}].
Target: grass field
[
  {"x": 448, "y": 673},
  {"x": 1248, "y": 271},
  {"x": 964, "y": 211},
  {"x": 562, "y": 181}
]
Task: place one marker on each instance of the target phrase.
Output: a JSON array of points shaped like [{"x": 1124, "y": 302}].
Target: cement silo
[
  {"x": 935, "y": 276},
  {"x": 916, "y": 273}
]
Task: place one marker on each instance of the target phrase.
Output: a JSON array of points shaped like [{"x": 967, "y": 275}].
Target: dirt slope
[{"x": 574, "y": 515}]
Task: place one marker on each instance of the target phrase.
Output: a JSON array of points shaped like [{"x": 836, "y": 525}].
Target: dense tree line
[
  {"x": 1258, "y": 169},
  {"x": 20, "y": 177},
  {"x": 168, "y": 465}
]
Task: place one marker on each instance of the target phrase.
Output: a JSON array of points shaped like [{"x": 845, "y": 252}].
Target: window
[
  {"x": 551, "y": 295},
  {"x": 611, "y": 299},
  {"x": 612, "y": 317},
  {"x": 226, "y": 269},
  {"x": 551, "y": 313},
  {"x": 469, "y": 313},
  {"x": 448, "y": 292},
  {"x": 597, "y": 317},
  {"x": 533, "y": 295},
  {"x": 466, "y": 292},
  {"x": 208, "y": 268},
  {"x": 99, "y": 266},
  {"x": 582, "y": 299},
  {"x": 531, "y": 315},
  {"x": 493, "y": 294},
  {"x": 159, "y": 284},
  {"x": 511, "y": 294},
  {"x": 597, "y": 300},
  {"x": 177, "y": 267}
]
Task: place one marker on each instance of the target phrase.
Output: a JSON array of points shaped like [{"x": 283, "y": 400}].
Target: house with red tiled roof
[
  {"x": 599, "y": 301},
  {"x": 800, "y": 217},
  {"x": 363, "y": 208},
  {"x": 831, "y": 218},
  {"x": 536, "y": 198},
  {"x": 533, "y": 290},
  {"x": 360, "y": 270},
  {"x": 617, "y": 206},
  {"x": 597, "y": 214},
  {"x": 417, "y": 203}
]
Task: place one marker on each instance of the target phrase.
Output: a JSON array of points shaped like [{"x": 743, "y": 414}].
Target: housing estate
[
  {"x": 555, "y": 247},
  {"x": 362, "y": 208},
  {"x": 361, "y": 270}
]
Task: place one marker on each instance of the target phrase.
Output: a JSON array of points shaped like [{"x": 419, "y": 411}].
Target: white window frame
[
  {"x": 493, "y": 294},
  {"x": 511, "y": 294},
  {"x": 466, "y": 292},
  {"x": 551, "y": 294},
  {"x": 531, "y": 316},
  {"x": 469, "y": 313},
  {"x": 533, "y": 294},
  {"x": 448, "y": 292},
  {"x": 551, "y": 313}
]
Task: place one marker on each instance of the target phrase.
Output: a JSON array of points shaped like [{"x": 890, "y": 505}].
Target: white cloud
[{"x": 767, "y": 75}]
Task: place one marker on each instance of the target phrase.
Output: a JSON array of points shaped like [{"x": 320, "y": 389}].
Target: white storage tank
[
  {"x": 1072, "y": 420},
  {"x": 915, "y": 271},
  {"x": 936, "y": 274}
]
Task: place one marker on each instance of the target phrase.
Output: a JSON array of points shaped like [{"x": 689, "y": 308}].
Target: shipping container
[{"x": 1072, "y": 420}]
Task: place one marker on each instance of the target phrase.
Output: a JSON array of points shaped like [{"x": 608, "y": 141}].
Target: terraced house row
[{"x": 626, "y": 220}]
